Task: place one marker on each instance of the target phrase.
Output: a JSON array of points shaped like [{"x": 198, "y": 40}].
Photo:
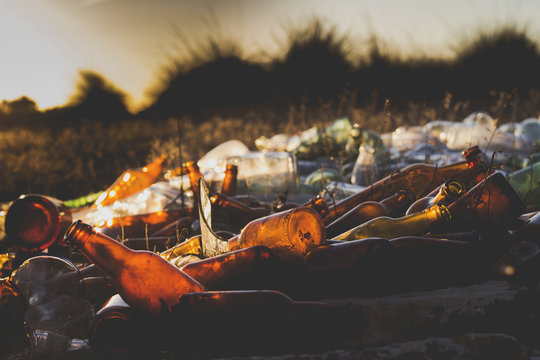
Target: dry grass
[{"x": 87, "y": 157}]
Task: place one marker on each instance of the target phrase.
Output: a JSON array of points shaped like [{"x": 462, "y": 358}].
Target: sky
[{"x": 45, "y": 43}]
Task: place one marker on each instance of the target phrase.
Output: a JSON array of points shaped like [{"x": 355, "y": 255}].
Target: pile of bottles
[{"x": 236, "y": 253}]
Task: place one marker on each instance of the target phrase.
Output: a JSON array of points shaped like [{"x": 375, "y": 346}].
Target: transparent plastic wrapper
[
  {"x": 215, "y": 156},
  {"x": 476, "y": 129},
  {"x": 278, "y": 142},
  {"x": 529, "y": 130},
  {"x": 405, "y": 138},
  {"x": 526, "y": 184},
  {"x": 431, "y": 154}
]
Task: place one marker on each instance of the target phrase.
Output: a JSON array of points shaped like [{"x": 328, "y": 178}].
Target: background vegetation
[{"x": 211, "y": 92}]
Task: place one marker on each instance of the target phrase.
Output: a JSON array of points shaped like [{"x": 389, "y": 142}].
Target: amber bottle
[
  {"x": 144, "y": 279},
  {"x": 420, "y": 179},
  {"x": 229, "y": 185},
  {"x": 369, "y": 210},
  {"x": 248, "y": 268},
  {"x": 236, "y": 213},
  {"x": 290, "y": 234},
  {"x": 389, "y": 228},
  {"x": 35, "y": 222},
  {"x": 194, "y": 174},
  {"x": 449, "y": 192},
  {"x": 132, "y": 181},
  {"x": 491, "y": 203}
]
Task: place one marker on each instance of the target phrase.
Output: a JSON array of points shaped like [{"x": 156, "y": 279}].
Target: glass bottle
[
  {"x": 194, "y": 174},
  {"x": 525, "y": 182},
  {"x": 389, "y": 228},
  {"x": 191, "y": 246},
  {"x": 235, "y": 212},
  {"x": 289, "y": 234},
  {"x": 35, "y": 222},
  {"x": 131, "y": 182},
  {"x": 369, "y": 210},
  {"x": 420, "y": 179},
  {"x": 143, "y": 279},
  {"x": 244, "y": 268},
  {"x": 229, "y": 185},
  {"x": 449, "y": 192},
  {"x": 120, "y": 331},
  {"x": 491, "y": 203}
]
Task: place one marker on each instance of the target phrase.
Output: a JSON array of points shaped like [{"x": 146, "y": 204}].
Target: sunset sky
[{"x": 46, "y": 42}]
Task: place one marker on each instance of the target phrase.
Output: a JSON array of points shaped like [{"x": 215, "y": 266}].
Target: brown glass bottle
[
  {"x": 490, "y": 203},
  {"x": 132, "y": 181},
  {"x": 237, "y": 213},
  {"x": 144, "y": 279},
  {"x": 289, "y": 234},
  {"x": 449, "y": 192},
  {"x": 194, "y": 174},
  {"x": 369, "y": 210},
  {"x": 420, "y": 179},
  {"x": 35, "y": 222},
  {"x": 389, "y": 228},
  {"x": 229, "y": 185},
  {"x": 234, "y": 270}
]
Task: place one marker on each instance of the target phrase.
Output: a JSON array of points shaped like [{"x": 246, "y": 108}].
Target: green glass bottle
[
  {"x": 526, "y": 183},
  {"x": 389, "y": 228}
]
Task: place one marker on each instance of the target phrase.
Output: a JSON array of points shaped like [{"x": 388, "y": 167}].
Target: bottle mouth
[
  {"x": 75, "y": 231},
  {"x": 35, "y": 222}
]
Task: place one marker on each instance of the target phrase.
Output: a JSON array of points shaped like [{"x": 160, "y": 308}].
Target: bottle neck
[{"x": 106, "y": 253}]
